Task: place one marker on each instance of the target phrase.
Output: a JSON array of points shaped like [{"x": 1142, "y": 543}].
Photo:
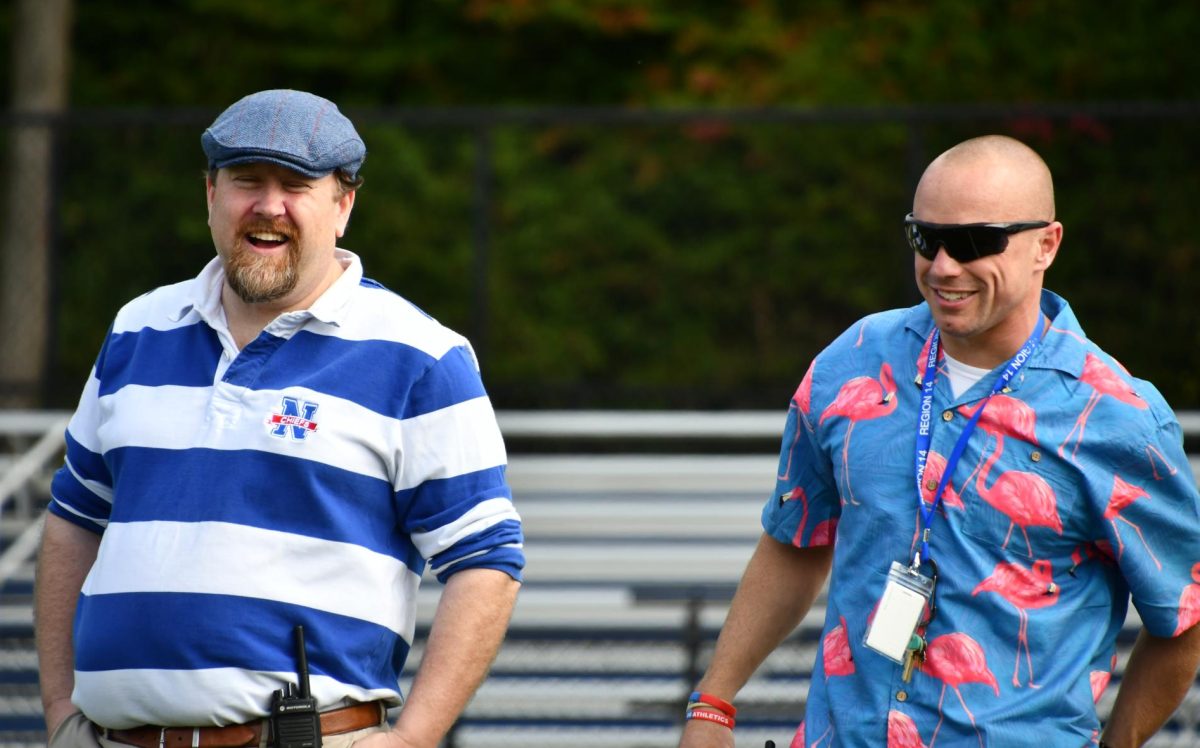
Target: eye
[{"x": 297, "y": 186}]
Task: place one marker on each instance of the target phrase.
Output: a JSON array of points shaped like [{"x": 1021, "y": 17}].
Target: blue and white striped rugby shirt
[{"x": 306, "y": 479}]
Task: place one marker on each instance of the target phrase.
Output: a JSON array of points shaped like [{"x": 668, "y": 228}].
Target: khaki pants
[{"x": 78, "y": 732}]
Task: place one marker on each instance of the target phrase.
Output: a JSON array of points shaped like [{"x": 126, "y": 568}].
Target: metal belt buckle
[{"x": 162, "y": 737}]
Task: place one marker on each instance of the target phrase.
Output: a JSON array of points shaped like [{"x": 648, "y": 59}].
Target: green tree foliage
[{"x": 699, "y": 259}]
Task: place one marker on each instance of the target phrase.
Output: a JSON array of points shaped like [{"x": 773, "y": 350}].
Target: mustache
[{"x": 261, "y": 225}]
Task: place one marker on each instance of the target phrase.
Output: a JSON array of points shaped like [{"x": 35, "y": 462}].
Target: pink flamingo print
[
  {"x": 802, "y": 403},
  {"x": 862, "y": 399},
  {"x": 1189, "y": 603},
  {"x": 1104, "y": 381},
  {"x": 1006, "y": 415},
  {"x": 825, "y": 533},
  {"x": 923, "y": 359},
  {"x": 935, "y": 466},
  {"x": 956, "y": 659},
  {"x": 798, "y": 739},
  {"x": 1084, "y": 552},
  {"x": 1063, "y": 331},
  {"x": 1099, "y": 680},
  {"x": 1124, "y": 494},
  {"x": 835, "y": 649},
  {"x": 862, "y": 330},
  {"x": 1025, "y": 498},
  {"x": 1003, "y": 416},
  {"x": 902, "y": 731},
  {"x": 797, "y": 494},
  {"x": 1024, "y": 589},
  {"x": 1156, "y": 457},
  {"x": 803, "y": 396}
]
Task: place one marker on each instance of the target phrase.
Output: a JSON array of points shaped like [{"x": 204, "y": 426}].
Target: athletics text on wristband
[
  {"x": 708, "y": 716},
  {"x": 713, "y": 701}
]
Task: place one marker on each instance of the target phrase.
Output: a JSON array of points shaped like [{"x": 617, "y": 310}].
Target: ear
[
  {"x": 209, "y": 188},
  {"x": 345, "y": 205},
  {"x": 1048, "y": 244}
]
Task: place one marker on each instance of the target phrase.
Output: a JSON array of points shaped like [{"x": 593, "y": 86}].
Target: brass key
[
  {"x": 913, "y": 657},
  {"x": 909, "y": 661}
]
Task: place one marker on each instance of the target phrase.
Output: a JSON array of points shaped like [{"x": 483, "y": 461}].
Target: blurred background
[
  {"x": 649, "y": 209},
  {"x": 623, "y": 203}
]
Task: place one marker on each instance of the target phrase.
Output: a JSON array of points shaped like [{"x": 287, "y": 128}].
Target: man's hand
[
  {"x": 759, "y": 619},
  {"x": 67, "y": 554},
  {"x": 390, "y": 739},
  {"x": 56, "y": 712},
  {"x": 470, "y": 622}
]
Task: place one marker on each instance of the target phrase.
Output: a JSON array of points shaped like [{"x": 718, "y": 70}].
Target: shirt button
[
  {"x": 931, "y": 485},
  {"x": 1036, "y": 456},
  {"x": 947, "y": 415},
  {"x": 901, "y": 696}
]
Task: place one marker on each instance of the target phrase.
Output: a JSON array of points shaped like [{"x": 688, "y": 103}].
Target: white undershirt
[{"x": 963, "y": 376}]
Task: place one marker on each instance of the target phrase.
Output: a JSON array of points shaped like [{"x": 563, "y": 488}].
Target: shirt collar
[
  {"x": 1065, "y": 344},
  {"x": 1063, "y": 347},
  {"x": 331, "y": 307}
]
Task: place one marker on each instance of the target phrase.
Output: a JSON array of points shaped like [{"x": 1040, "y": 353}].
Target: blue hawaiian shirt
[{"x": 1073, "y": 494}]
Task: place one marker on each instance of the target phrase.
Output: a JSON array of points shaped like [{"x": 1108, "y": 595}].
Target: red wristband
[
  {"x": 714, "y": 702},
  {"x": 717, "y": 717}
]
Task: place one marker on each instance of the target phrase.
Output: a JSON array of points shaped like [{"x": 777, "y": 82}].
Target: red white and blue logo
[{"x": 295, "y": 419}]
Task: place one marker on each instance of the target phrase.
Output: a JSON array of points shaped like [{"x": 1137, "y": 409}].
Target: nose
[{"x": 270, "y": 199}]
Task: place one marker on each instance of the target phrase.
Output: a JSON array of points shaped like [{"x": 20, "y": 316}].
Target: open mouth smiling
[
  {"x": 952, "y": 295},
  {"x": 266, "y": 239}
]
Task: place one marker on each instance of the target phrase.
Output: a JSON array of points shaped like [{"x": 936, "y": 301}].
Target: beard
[{"x": 258, "y": 278}]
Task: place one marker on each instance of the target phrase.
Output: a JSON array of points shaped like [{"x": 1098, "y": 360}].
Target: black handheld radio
[{"x": 294, "y": 719}]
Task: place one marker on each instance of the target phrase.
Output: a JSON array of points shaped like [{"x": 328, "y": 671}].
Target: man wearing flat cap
[{"x": 264, "y": 461}]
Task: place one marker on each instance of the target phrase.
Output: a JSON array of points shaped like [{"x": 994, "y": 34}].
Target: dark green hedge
[{"x": 692, "y": 262}]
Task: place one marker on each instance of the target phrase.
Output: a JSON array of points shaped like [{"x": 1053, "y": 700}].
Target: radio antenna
[{"x": 303, "y": 658}]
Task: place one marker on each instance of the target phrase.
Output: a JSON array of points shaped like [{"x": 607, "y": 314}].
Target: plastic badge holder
[{"x": 904, "y": 598}]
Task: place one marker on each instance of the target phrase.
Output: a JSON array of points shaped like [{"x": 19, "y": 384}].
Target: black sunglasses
[{"x": 963, "y": 241}]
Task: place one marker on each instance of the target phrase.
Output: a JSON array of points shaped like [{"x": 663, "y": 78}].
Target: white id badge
[{"x": 905, "y": 596}]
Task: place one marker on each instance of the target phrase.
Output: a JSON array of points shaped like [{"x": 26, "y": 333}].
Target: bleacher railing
[
  {"x": 638, "y": 524},
  {"x": 34, "y": 442}
]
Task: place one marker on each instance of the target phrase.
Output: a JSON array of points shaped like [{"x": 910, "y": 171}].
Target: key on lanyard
[{"x": 914, "y": 657}]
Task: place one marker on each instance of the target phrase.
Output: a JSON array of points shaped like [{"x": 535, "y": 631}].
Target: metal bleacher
[
  {"x": 632, "y": 558},
  {"x": 638, "y": 526},
  {"x": 30, "y": 448}
]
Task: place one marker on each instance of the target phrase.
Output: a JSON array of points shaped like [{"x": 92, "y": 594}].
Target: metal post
[{"x": 481, "y": 239}]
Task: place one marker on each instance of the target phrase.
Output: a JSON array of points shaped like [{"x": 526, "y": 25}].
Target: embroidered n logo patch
[{"x": 294, "y": 420}]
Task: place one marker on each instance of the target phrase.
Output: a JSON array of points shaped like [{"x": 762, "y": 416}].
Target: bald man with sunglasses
[{"x": 986, "y": 490}]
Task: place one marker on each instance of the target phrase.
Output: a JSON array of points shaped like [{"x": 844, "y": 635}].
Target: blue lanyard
[{"x": 925, "y": 425}]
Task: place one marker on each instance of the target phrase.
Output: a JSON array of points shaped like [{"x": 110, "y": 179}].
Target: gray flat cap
[{"x": 294, "y": 129}]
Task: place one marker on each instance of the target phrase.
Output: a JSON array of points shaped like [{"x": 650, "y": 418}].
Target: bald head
[{"x": 991, "y": 178}]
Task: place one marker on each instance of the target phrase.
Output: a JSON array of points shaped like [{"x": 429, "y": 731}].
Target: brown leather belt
[{"x": 333, "y": 722}]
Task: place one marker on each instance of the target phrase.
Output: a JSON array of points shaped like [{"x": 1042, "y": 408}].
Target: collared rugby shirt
[
  {"x": 1073, "y": 494},
  {"x": 306, "y": 479}
]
